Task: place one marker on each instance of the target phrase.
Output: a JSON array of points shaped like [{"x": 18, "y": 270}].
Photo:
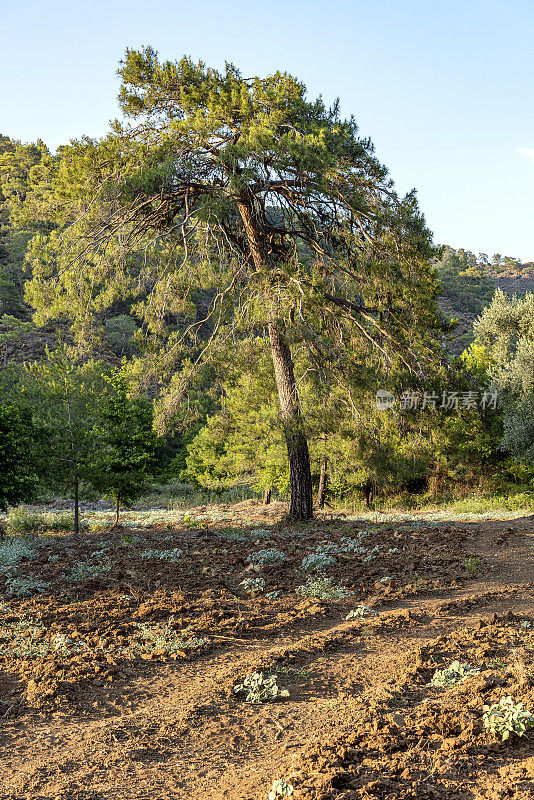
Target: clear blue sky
[{"x": 444, "y": 88}]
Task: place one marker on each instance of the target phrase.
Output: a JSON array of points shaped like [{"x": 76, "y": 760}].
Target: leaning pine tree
[{"x": 278, "y": 196}]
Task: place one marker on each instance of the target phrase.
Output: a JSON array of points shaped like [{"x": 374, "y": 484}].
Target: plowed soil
[{"x": 117, "y": 681}]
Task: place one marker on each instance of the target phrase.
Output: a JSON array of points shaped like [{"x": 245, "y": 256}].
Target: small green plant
[
  {"x": 131, "y": 540},
  {"x": 233, "y": 536},
  {"x": 349, "y": 545},
  {"x": 317, "y": 561},
  {"x": 372, "y": 554},
  {"x": 505, "y": 717},
  {"x": 25, "y": 587},
  {"x": 359, "y": 612},
  {"x": 163, "y": 555},
  {"x": 260, "y": 688},
  {"x": 495, "y": 663},
  {"x": 91, "y": 568},
  {"x": 14, "y": 549},
  {"x": 64, "y": 645},
  {"x": 301, "y": 672},
  {"x": 253, "y": 585},
  {"x": 98, "y": 527},
  {"x": 165, "y": 639},
  {"x": 419, "y": 581},
  {"x": 280, "y": 788},
  {"x": 473, "y": 565},
  {"x": 263, "y": 557},
  {"x": 327, "y": 549},
  {"x": 453, "y": 674},
  {"x": 323, "y": 588},
  {"x": 24, "y": 638},
  {"x": 260, "y": 533}
]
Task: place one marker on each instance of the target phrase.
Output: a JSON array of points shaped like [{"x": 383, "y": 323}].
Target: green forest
[{"x": 212, "y": 295}]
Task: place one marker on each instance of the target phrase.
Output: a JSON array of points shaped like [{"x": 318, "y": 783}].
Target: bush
[
  {"x": 22, "y": 520},
  {"x": 62, "y": 522},
  {"x": 473, "y": 565}
]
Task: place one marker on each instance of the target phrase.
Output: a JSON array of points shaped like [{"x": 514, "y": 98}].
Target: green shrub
[
  {"x": 504, "y": 718},
  {"x": 260, "y": 688},
  {"x": 24, "y": 639},
  {"x": 21, "y": 520}
]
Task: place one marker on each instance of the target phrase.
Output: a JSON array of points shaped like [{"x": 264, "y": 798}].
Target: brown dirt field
[{"x": 119, "y": 685}]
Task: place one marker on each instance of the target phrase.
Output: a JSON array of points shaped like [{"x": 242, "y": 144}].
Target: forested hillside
[
  {"x": 236, "y": 312},
  {"x": 468, "y": 283}
]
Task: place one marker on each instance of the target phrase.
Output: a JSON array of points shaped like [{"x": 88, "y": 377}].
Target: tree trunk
[
  {"x": 267, "y": 497},
  {"x": 300, "y": 482},
  {"x": 301, "y": 506},
  {"x": 323, "y": 477},
  {"x": 76, "y": 506},
  {"x": 117, "y": 511}
]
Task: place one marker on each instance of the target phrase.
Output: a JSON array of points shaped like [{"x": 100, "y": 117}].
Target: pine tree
[{"x": 275, "y": 196}]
